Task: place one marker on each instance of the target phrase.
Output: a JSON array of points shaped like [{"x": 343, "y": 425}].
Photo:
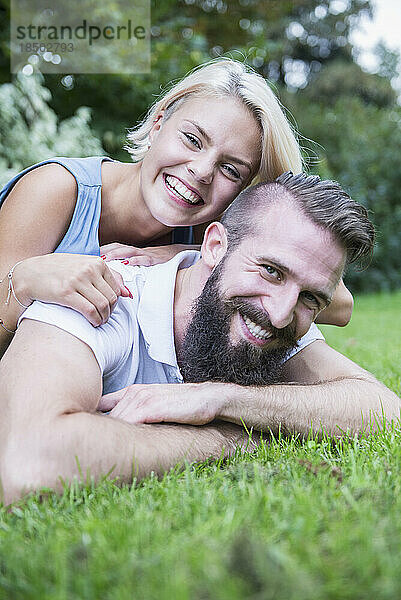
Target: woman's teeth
[
  {"x": 180, "y": 189},
  {"x": 256, "y": 330}
]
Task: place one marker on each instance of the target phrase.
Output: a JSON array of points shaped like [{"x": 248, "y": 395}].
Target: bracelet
[
  {"x": 6, "y": 328},
  {"x": 11, "y": 287},
  {"x": 9, "y": 292}
]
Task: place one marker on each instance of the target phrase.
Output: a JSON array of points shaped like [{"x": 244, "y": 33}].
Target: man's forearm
[
  {"x": 82, "y": 445},
  {"x": 49, "y": 431},
  {"x": 351, "y": 404}
]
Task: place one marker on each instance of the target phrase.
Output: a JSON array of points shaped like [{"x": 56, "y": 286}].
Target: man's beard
[{"x": 207, "y": 354}]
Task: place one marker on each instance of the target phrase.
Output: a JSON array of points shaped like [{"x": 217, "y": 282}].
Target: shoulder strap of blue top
[{"x": 87, "y": 171}]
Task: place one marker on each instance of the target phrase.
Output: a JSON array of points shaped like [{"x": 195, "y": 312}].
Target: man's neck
[{"x": 188, "y": 286}]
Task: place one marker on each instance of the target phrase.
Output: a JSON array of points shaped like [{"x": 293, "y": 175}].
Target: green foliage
[
  {"x": 358, "y": 143},
  {"x": 342, "y": 79},
  {"x": 186, "y": 33},
  {"x": 30, "y": 130},
  {"x": 301, "y": 520}
]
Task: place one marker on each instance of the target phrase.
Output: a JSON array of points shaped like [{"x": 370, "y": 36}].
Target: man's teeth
[
  {"x": 256, "y": 330},
  {"x": 181, "y": 190}
]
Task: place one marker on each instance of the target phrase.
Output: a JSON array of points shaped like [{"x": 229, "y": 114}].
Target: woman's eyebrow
[
  {"x": 201, "y": 130},
  {"x": 209, "y": 141}
]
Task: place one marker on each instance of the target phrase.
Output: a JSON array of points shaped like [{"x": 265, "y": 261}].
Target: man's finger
[{"x": 109, "y": 401}]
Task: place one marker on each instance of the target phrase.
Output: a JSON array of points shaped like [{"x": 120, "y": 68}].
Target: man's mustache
[{"x": 258, "y": 316}]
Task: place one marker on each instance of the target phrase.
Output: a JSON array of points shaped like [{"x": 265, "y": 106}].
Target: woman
[{"x": 204, "y": 141}]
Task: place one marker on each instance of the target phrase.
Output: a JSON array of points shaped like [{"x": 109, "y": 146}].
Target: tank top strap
[
  {"x": 82, "y": 234},
  {"x": 87, "y": 171}
]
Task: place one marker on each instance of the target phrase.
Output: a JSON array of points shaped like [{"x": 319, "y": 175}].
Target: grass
[{"x": 298, "y": 520}]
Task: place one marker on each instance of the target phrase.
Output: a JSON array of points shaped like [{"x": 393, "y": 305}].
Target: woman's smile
[{"x": 181, "y": 191}]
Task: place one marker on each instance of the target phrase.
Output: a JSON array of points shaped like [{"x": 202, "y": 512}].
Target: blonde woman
[{"x": 202, "y": 142}]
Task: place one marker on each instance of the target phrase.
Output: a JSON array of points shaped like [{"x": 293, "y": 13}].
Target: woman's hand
[
  {"x": 84, "y": 283},
  {"x": 142, "y": 256}
]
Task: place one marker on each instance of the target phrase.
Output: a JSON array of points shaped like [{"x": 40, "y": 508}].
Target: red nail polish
[
  {"x": 125, "y": 262},
  {"x": 103, "y": 256},
  {"x": 129, "y": 293}
]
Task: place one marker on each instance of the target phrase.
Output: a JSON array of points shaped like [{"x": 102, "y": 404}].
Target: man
[{"x": 265, "y": 273}]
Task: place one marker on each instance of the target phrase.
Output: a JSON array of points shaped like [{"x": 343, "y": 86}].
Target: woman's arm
[
  {"x": 33, "y": 220},
  {"x": 340, "y": 309},
  {"x": 151, "y": 255}
]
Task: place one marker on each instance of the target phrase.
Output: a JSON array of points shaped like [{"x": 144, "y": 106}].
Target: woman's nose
[{"x": 202, "y": 169}]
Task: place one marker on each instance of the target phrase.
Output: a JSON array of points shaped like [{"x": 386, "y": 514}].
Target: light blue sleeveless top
[{"x": 82, "y": 234}]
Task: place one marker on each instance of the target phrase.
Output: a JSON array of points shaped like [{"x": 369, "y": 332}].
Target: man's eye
[
  {"x": 193, "y": 140},
  {"x": 232, "y": 171},
  {"x": 311, "y": 299},
  {"x": 272, "y": 271}
]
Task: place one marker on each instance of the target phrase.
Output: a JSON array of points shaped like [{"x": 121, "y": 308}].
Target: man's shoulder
[
  {"x": 140, "y": 273},
  {"x": 312, "y": 335}
]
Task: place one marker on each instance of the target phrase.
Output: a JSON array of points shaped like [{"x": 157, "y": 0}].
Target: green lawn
[{"x": 301, "y": 520}]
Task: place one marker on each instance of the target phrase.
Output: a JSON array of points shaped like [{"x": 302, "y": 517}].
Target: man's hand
[
  {"x": 320, "y": 390},
  {"x": 190, "y": 403}
]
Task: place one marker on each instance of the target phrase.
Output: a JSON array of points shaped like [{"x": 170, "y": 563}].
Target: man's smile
[
  {"x": 253, "y": 325},
  {"x": 259, "y": 334}
]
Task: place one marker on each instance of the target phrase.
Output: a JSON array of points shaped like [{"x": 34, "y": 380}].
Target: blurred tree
[
  {"x": 30, "y": 131},
  {"x": 388, "y": 60},
  {"x": 341, "y": 79},
  {"x": 358, "y": 142},
  {"x": 287, "y": 41}
]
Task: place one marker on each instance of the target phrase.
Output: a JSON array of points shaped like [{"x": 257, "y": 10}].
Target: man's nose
[
  {"x": 282, "y": 307},
  {"x": 202, "y": 168}
]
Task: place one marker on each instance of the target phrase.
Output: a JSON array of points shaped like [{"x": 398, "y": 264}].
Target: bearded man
[{"x": 238, "y": 318}]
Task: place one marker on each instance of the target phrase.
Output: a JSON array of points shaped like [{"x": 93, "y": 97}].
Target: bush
[
  {"x": 360, "y": 146},
  {"x": 30, "y": 130}
]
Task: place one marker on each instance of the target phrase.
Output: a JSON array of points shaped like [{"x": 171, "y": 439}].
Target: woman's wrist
[
  {"x": 18, "y": 286},
  {"x": 13, "y": 300}
]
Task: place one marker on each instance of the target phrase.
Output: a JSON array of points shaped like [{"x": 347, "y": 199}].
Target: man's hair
[{"x": 324, "y": 202}]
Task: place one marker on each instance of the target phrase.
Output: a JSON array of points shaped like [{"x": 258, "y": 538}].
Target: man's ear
[
  {"x": 214, "y": 244},
  {"x": 157, "y": 125}
]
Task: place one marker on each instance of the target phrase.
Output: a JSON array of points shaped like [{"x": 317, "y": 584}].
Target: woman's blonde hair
[{"x": 227, "y": 77}]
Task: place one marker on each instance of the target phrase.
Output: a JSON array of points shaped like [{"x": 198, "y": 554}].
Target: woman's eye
[
  {"x": 193, "y": 140},
  {"x": 232, "y": 171},
  {"x": 272, "y": 271}
]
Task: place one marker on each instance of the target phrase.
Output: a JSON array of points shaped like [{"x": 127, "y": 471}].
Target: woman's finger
[
  {"x": 86, "y": 307},
  {"x": 108, "y": 293},
  {"x": 120, "y": 287},
  {"x": 144, "y": 261},
  {"x": 119, "y": 251},
  {"x": 110, "y": 287},
  {"x": 114, "y": 280},
  {"x": 108, "y": 247},
  {"x": 100, "y": 301}
]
